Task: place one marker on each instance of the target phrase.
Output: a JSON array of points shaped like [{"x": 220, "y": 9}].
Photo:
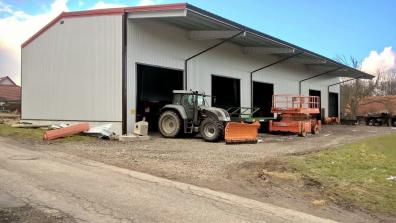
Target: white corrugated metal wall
[
  {"x": 160, "y": 44},
  {"x": 73, "y": 72}
]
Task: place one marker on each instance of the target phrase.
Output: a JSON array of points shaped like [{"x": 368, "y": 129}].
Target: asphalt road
[{"x": 89, "y": 191}]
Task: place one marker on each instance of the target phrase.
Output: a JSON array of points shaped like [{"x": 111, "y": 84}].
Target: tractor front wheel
[
  {"x": 169, "y": 124},
  {"x": 211, "y": 130}
]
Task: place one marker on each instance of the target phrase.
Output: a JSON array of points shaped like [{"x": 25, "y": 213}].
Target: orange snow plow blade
[{"x": 236, "y": 132}]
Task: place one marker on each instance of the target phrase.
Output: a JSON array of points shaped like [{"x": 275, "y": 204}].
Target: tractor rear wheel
[
  {"x": 169, "y": 124},
  {"x": 211, "y": 130}
]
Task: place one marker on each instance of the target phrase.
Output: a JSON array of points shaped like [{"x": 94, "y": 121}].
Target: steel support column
[
  {"x": 317, "y": 75},
  {"x": 204, "y": 51},
  {"x": 124, "y": 73},
  {"x": 264, "y": 67}
]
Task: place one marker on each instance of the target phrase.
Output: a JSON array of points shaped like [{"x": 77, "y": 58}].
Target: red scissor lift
[{"x": 295, "y": 114}]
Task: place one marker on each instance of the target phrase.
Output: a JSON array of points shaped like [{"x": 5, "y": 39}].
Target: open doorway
[
  {"x": 318, "y": 94},
  {"x": 262, "y": 98},
  {"x": 155, "y": 87},
  {"x": 226, "y": 92},
  {"x": 333, "y": 104}
]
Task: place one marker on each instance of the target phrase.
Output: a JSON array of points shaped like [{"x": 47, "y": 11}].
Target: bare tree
[
  {"x": 353, "y": 92},
  {"x": 351, "y": 61},
  {"x": 388, "y": 84}
]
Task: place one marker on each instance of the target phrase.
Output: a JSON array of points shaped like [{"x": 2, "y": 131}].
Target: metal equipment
[
  {"x": 379, "y": 118},
  {"x": 242, "y": 114},
  {"x": 190, "y": 114},
  {"x": 239, "y": 132},
  {"x": 294, "y": 114},
  {"x": 331, "y": 121},
  {"x": 247, "y": 115}
]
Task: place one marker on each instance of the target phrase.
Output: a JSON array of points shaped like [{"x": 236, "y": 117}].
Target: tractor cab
[{"x": 192, "y": 102}]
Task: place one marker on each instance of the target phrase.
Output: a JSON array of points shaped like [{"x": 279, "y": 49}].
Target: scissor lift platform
[{"x": 294, "y": 114}]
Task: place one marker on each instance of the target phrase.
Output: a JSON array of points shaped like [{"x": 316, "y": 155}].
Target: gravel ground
[
  {"x": 194, "y": 158},
  {"x": 229, "y": 168}
]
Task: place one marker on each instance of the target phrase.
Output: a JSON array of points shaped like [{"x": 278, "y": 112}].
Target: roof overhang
[{"x": 203, "y": 25}]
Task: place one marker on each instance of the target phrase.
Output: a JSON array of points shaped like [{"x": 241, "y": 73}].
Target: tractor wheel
[
  {"x": 211, "y": 130},
  {"x": 169, "y": 124},
  {"x": 315, "y": 130}
]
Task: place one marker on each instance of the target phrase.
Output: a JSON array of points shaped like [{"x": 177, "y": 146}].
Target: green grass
[
  {"x": 356, "y": 172},
  {"x": 36, "y": 134}
]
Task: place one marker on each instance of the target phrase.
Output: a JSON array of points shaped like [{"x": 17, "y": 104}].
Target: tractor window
[
  {"x": 176, "y": 99},
  {"x": 190, "y": 100},
  {"x": 187, "y": 100},
  {"x": 201, "y": 101}
]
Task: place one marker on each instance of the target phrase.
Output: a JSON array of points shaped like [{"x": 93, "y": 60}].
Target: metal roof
[
  {"x": 194, "y": 18},
  {"x": 199, "y": 19}
]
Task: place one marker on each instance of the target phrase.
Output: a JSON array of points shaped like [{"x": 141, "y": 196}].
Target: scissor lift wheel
[
  {"x": 315, "y": 130},
  {"x": 303, "y": 132}
]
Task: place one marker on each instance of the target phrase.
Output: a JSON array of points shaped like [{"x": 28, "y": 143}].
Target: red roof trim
[
  {"x": 151, "y": 8},
  {"x": 98, "y": 12},
  {"x": 45, "y": 28}
]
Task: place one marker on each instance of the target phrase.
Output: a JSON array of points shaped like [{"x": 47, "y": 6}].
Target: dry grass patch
[{"x": 356, "y": 172}]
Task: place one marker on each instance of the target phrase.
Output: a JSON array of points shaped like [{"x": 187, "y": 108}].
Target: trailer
[
  {"x": 379, "y": 118},
  {"x": 295, "y": 114},
  {"x": 378, "y": 110}
]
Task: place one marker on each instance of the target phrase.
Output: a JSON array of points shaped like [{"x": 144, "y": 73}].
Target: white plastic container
[{"x": 141, "y": 128}]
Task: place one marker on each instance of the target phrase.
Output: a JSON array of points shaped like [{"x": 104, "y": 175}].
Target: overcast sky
[{"x": 363, "y": 29}]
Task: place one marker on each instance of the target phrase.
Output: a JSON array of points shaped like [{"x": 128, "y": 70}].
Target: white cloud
[
  {"x": 5, "y": 8},
  {"x": 380, "y": 62},
  {"x": 18, "y": 27},
  {"x": 104, "y": 5},
  {"x": 149, "y": 2},
  {"x": 146, "y": 2}
]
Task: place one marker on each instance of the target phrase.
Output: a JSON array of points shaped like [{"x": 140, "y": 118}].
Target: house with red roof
[{"x": 10, "y": 95}]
